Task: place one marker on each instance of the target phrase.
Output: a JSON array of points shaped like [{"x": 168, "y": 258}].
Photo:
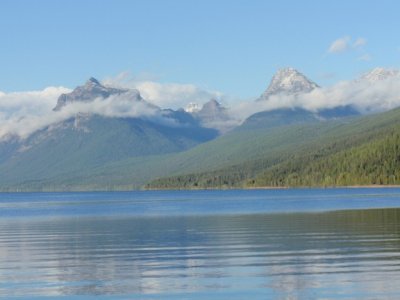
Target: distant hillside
[
  {"x": 242, "y": 158},
  {"x": 131, "y": 172},
  {"x": 363, "y": 150},
  {"x": 85, "y": 141},
  {"x": 373, "y": 162}
]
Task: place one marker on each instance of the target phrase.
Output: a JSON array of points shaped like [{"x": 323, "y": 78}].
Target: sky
[{"x": 231, "y": 47}]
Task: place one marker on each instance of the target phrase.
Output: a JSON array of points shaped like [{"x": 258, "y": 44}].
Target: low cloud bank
[
  {"x": 23, "y": 113},
  {"x": 363, "y": 95},
  {"x": 165, "y": 95}
]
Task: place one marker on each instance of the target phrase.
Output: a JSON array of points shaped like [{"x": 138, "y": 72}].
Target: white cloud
[
  {"x": 27, "y": 108},
  {"x": 20, "y": 104},
  {"x": 24, "y": 113},
  {"x": 365, "y": 96},
  {"x": 340, "y": 45},
  {"x": 359, "y": 42},
  {"x": 346, "y": 43},
  {"x": 173, "y": 95},
  {"x": 166, "y": 95}
]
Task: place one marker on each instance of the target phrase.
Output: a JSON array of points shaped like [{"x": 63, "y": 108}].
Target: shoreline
[{"x": 370, "y": 186}]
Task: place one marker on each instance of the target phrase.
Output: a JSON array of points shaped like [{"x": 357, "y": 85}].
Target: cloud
[
  {"x": 22, "y": 106},
  {"x": 345, "y": 44},
  {"x": 22, "y": 114},
  {"x": 26, "y": 112},
  {"x": 174, "y": 95},
  {"x": 19, "y": 104},
  {"x": 364, "y": 95},
  {"x": 340, "y": 45},
  {"x": 359, "y": 42},
  {"x": 166, "y": 95}
]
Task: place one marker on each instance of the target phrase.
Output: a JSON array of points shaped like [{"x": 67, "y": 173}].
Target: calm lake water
[{"x": 259, "y": 244}]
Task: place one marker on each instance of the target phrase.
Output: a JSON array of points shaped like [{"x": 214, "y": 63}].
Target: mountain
[
  {"x": 337, "y": 112},
  {"x": 290, "y": 116},
  {"x": 368, "y": 158},
  {"x": 236, "y": 159},
  {"x": 89, "y": 140},
  {"x": 211, "y": 111},
  {"x": 288, "y": 81},
  {"x": 370, "y": 163},
  {"x": 379, "y": 74},
  {"x": 278, "y": 117},
  {"x": 173, "y": 149},
  {"x": 91, "y": 90},
  {"x": 361, "y": 150},
  {"x": 192, "y": 107},
  {"x": 212, "y": 115}
]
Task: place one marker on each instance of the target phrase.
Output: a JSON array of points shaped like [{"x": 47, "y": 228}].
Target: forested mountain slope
[{"x": 363, "y": 150}]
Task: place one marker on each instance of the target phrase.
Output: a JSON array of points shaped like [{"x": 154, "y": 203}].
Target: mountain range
[
  {"x": 131, "y": 143},
  {"x": 288, "y": 81}
]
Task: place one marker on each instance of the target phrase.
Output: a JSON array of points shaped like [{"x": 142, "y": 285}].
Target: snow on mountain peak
[
  {"x": 91, "y": 90},
  {"x": 192, "y": 107},
  {"x": 288, "y": 81},
  {"x": 379, "y": 74}
]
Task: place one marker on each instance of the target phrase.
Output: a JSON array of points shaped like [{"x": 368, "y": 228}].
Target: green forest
[
  {"x": 363, "y": 152},
  {"x": 373, "y": 163}
]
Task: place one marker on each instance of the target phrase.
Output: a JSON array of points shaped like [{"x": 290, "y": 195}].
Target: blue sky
[{"x": 229, "y": 46}]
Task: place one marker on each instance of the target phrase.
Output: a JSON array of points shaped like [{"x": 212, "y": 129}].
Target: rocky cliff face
[
  {"x": 288, "y": 81},
  {"x": 379, "y": 74},
  {"x": 91, "y": 90},
  {"x": 213, "y": 115}
]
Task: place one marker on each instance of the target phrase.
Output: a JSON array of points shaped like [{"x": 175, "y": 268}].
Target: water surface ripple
[{"x": 182, "y": 250}]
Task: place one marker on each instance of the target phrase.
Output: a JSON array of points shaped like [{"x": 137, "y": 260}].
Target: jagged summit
[
  {"x": 379, "y": 73},
  {"x": 91, "y": 90},
  {"x": 288, "y": 81},
  {"x": 92, "y": 81},
  {"x": 214, "y": 115},
  {"x": 211, "y": 105},
  {"x": 211, "y": 110},
  {"x": 192, "y": 107}
]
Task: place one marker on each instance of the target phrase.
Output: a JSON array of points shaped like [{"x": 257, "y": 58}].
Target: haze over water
[{"x": 287, "y": 244}]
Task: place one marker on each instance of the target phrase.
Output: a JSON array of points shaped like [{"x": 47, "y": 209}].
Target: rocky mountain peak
[
  {"x": 212, "y": 110},
  {"x": 213, "y": 115},
  {"x": 379, "y": 73},
  {"x": 91, "y": 90},
  {"x": 212, "y": 105},
  {"x": 288, "y": 81},
  {"x": 192, "y": 107},
  {"x": 92, "y": 81}
]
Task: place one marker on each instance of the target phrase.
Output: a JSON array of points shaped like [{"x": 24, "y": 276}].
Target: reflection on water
[{"x": 346, "y": 254}]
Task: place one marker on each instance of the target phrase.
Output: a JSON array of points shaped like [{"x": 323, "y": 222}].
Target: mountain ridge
[
  {"x": 336, "y": 139},
  {"x": 288, "y": 81},
  {"x": 101, "y": 152},
  {"x": 91, "y": 90}
]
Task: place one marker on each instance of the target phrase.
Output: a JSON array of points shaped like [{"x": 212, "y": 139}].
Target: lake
[{"x": 256, "y": 244}]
